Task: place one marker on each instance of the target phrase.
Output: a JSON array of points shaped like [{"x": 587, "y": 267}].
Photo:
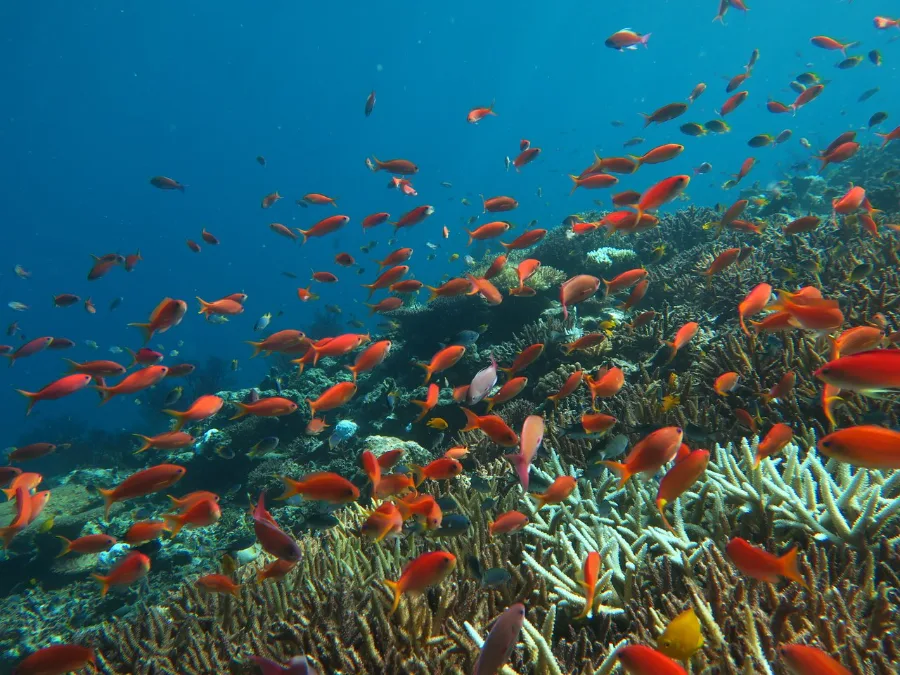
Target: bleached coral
[
  {"x": 607, "y": 256},
  {"x": 831, "y": 499}
]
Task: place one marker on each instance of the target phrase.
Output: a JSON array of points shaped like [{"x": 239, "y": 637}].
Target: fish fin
[
  {"x": 204, "y": 308},
  {"x": 104, "y": 584},
  {"x": 31, "y": 396},
  {"x": 146, "y": 445},
  {"x": 67, "y": 546},
  {"x": 621, "y": 469},
  {"x": 303, "y": 234},
  {"x": 175, "y": 523},
  {"x": 395, "y": 590},
  {"x": 661, "y": 506},
  {"x": 424, "y": 406},
  {"x": 418, "y": 474},
  {"x": 242, "y": 409},
  {"x": 575, "y": 180},
  {"x": 108, "y": 499},
  {"x": 427, "y": 367},
  {"x": 790, "y": 569},
  {"x": 290, "y": 489},
  {"x": 471, "y": 420},
  {"x": 146, "y": 330},
  {"x": 257, "y": 348}
]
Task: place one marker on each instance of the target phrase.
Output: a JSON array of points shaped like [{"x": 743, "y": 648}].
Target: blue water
[{"x": 98, "y": 98}]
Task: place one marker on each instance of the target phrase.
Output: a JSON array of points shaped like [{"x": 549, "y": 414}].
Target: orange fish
[
  {"x": 86, "y": 545},
  {"x": 607, "y": 383},
  {"x": 393, "y": 484},
  {"x": 524, "y": 240},
  {"x": 62, "y": 658},
  {"x": 333, "y": 397},
  {"x": 488, "y": 231},
  {"x": 218, "y": 583},
  {"x": 201, "y": 409},
  {"x": 444, "y": 359},
  {"x": 142, "y": 483},
  {"x": 492, "y": 425},
  {"x": 649, "y": 455},
  {"x": 386, "y": 278},
  {"x": 97, "y": 368},
  {"x": 414, "y": 217},
  {"x": 28, "y": 480},
  {"x": 280, "y": 341},
  {"x": 275, "y": 570},
  {"x": 323, "y": 227},
  {"x": 856, "y": 340},
  {"x": 659, "y": 154},
  {"x": 383, "y": 522},
  {"x": 498, "y": 204},
  {"x": 624, "y": 280},
  {"x": 638, "y": 659},
  {"x": 450, "y": 289},
  {"x": 29, "y": 349},
  {"x": 733, "y": 102},
  {"x": 597, "y": 423},
  {"x": 278, "y": 228},
  {"x": 457, "y": 452},
  {"x": 590, "y": 574},
  {"x": 169, "y": 440},
  {"x": 509, "y": 390},
  {"x": 401, "y": 255},
  {"x": 133, "y": 567},
  {"x": 753, "y": 303},
  {"x": 781, "y": 389},
  {"x": 558, "y": 492},
  {"x": 840, "y": 154},
  {"x": 828, "y": 43},
  {"x": 725, "y": 259},
  {"x": 507, "y": 523},
  {"x": 431, "y": 399},
  {"x": 663, "y": 192},
  {"x": 584, "y": 342},
  {"x": 429, "y": 569},
  {"x": 664, "y": 114},
  {"x": 594, "y": 181},
  {"x": 442, "y": 468},
  {"x": 569, "y": 386},
  {"x": 807, "y": 660},
  {"x": 527, "y": 156},
  {"x": 477, "y": 114},
  {"x": 375, "y": 219},
  {"x": 274, "y": 406},
  {"x": 679, "y": 479},
  {"x": 868, "y": 446},
  {"x": 726, "y": 383},
  {"x": 524, "y": 359},
  {"x": 225, "y": 307},
  {"x": 682, "y": 337},
  {"x": 406, "y": 286},
  {"x": 145, "y": 530},
  {"x": 22, "y": 516},
  {"x": 496, "y": 266},
  {"x": 202, "y": 514},
  {"x": 270, "y": 199},
  {"x": 369, "y": 359},
  {"x": 575, "y": 290},
  {"x": 626, "y": 39},
  {"x": 485, "y": 289},
  {"x": 321, "y": 486},
  {"x": 402, "y": 167},
  {"x": 759, "y": 564}
]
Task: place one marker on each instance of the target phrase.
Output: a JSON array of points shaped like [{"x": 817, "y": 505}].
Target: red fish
[
  {"x": 145, "y": 530},
  {"x": 508, "y": 523},
  {"x": 169, "y": 440},
  {"x": 375, "y": 219},
  {"x": 589, "y": 576},
  {"x": 274, "y": 406},
  {"x": 414, "y": 217},
  {"x": 684, "y": 335},
  {"x": 608, "y": 382},
  {"x": 624, "y": 280},
  {"x": 273, "y": 539},
  {"x": 831, "y": 44},
  {"x": 201, "y": 514},
  {"x": 57, "y": 659},
  {"x": 733, "y": 102},
  {"x": 323, "y": 227},
  {"x": 444, "y": 359},
  {"x": 142, "y": 483},
  {"x": 558, "y": 492},
  {"x": 477, "y": 114},
  {"x": 88, "y": 544},
  {"x": 526, "y": 157},
  {"x": 225, "y": 306},
  {"x": 431, "y": 400},
  {"x": 402, "y": 167},
  {"x": 498, "y": 204},
  {"x": 429, "y": 569},
  {"x": 626, "y": 39},
  {"x": 371, "y": 358},
  {"x": 679, "y": 479},
  {"x": 270, "y": 199},
  {"x": 641, "y": 660},
  {"x": 525, "y": 240},
  {"x": 133, "y": 567},
  {"x": 56, "y": 390},
  {"x": 201, "y": 409},
  {"x": 167, "y": 314},
  {"x": 321, "y": 486},
  {"x": 487, "y": 231},
  {"x": 30, "y": 348},
  {"x": 524, "y": 359},
  {"x": 137, "y": 381},
  {"x": 493, "y": 426},
  {"x": 333, "y": 397},
  {"x": 807, "y": 660},
  {"x": 663, "y": 192},
  {"x": 218, "y": 583}
]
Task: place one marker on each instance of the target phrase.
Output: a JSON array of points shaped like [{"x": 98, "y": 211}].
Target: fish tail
[
  {"x": 539, "y": 500},
  {"x": 9, "y": 492},
  {"x": 606, "y": 285},
  {"x": 204, "y": 308},
  {"x": 471, "y": 420},
  {"x": 835, "y": 350},
  {"x": 104, "y": 584},
  {"x": 743, "y": 325},
  {"x": 427, "y": 367},
  {"x": 377, "y": 162},
  {"x": 471, "y": 238},
  {"x": 520, "y": 467},
  {"x": 242, "y": 409},
  {"x": 290, "y": 489},
  {"x": 646, "y": 119},
  {"x": 790, "y": 568},
  {"x": 180, "y": 419},
  {"x": 433, "y": 293},
  {"x": 312, "y": 406},
  {"x": 108, "y": 500},
  {"x": 661, "y": 506},
  {"x": 352, "y": 370},
  {"x": 490, "y": 404},
  {"x": 395, "y": 590},
  {"x": 146, "y": 330},
  {"x": 175, "y": 523},
  {"x": 621, "y": 469},
  {"x": 423, "y": 405},
  {"x": 73, "y": 365},
  {"x": 674, "y": 348},
  {"x": 574, "y": 184},
  {"x": 645, "y": 39},
  {"x": 483, "y": 204},
  {"x": 303, "y": 235},
  {"x": 31, "y": 396},
  {"x": 418, "y": 474},
  {"x": 147, "y": 443},
  {"x": 256, "y": 348},
  {"x": 67, "y": 546},
  {"x": 176, "y": 504}
]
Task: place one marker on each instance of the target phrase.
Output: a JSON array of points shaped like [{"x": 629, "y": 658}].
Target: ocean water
[{"x": 100, "y": 97}]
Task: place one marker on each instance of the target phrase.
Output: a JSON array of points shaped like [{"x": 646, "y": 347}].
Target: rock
[{"x": 413, "y": 452}]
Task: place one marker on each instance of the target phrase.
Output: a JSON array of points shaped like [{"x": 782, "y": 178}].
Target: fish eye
[{"x": 826, "y": 444}]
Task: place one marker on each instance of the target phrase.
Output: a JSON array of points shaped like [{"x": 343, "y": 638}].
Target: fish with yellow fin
[
  {"x": 682, "y": 638},
  {"x": 437, "y": 423}
]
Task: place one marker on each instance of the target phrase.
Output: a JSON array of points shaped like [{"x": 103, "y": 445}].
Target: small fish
[
  {"x": 495, "y": 577},
  {"x": 264, "y": 446},
  {"x": 875, "y": 58},
  {"x": 172, "y": 397},
  {"x": 877, "y": 119},
  {"x": 437, "y": 423},
  {"x": 860, "y": 272},
  {"x": 866, "y": 95},
  {"x": 682, "y": 638},
  {"x": 18, "y": 306},
  {"x": 262, "y": 322},
  {"x": 234, "y": 364},
  {"x": 260, "y": 160}
]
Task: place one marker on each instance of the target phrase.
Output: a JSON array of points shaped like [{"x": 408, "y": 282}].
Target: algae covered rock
[{"x": 413, "y": 452}]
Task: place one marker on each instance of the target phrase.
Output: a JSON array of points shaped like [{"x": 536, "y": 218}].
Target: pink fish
[{"x": 529, "y": 443}]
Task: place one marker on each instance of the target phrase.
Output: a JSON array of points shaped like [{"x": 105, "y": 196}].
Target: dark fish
[
  {"x": 464, "y": 338},
  {"x": 115, "y": 303},
  {"x": 290, "y": 275},
  {"x": 447, "y": 503},
  {"x": 473, "y": 564},
  {"x": 495, "y": 578},
  {"x": 877, "y": 119},
  {"x": 453, "y": 525},
  {"x": 320, "y": 521},
  {"x": 488, "y": 504},
  {"x": 696, "y": 433},
  {"x": 480, "y": 483},
  {"x": 866, "y": 95},
  {"x": 240, "y": 543},
  {"x": 261, "y": 160},
  {"x": 370, "y": 103}
]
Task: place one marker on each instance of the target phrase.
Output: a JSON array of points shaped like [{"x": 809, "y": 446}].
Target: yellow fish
[
  {"x": 670, "y": 401},
  {"x": 46, "y": 526},
  {"x": 437, "y": 423},
  {"x": 682, "y": 637}
]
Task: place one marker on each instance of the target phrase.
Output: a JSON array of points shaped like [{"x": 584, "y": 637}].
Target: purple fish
[
  {"x": 296, "y": 666},
  {"x": 482, "y": 383},
  {"x": 500, "y": 641}
]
